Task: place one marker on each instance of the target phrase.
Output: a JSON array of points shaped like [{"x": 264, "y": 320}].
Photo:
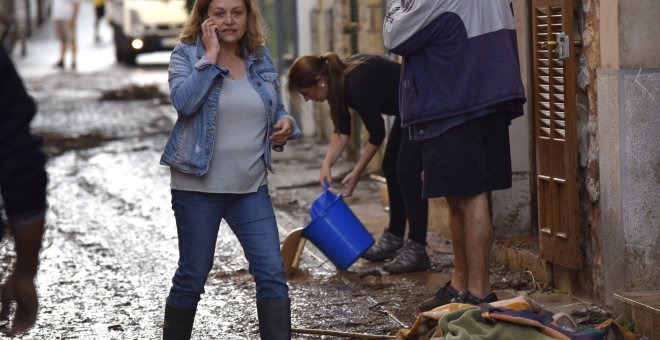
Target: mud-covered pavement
[{"x": 110, "y": 247}]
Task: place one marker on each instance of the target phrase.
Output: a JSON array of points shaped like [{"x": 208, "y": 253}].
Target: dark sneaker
[
  {"x": 467, "y": 297},
  {"x": 60, "y": 64},
  {"x": 410, "y": 258},
  {"x": 443, "y": 296},
  {"x": 385, "y": 248},
  {"x": 73, "y": 65}
]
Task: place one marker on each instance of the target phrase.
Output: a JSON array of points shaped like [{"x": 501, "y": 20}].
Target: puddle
[{"x": 136, "y": 92}]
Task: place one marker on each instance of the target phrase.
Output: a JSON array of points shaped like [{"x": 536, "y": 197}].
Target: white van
[{"x": 142, "y": 26}]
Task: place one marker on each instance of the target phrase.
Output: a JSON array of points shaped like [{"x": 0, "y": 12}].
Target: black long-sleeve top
[{"x": 371, "y": 89}]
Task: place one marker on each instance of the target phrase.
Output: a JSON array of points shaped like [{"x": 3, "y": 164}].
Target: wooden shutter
[{"x": 555, "y": 134}]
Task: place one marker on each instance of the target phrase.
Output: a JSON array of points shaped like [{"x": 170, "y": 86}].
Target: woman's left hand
[
  {"x": 282, "y": 130},
  {"x": 350, "y": 182}
]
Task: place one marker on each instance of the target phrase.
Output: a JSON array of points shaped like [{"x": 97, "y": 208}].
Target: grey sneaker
[
  {"x": 385, "y": 248},
  {"x": 410, "y": 258}
]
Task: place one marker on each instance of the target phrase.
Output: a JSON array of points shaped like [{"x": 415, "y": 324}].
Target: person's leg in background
[
  {"x": 478, "y": 236},
  {"x": 459, "y": 276},
  {"x": 492, "y": 136},
  {"x": 60, "y": 33},
  {"x": 99, "y": 9},
  {"x": 393, "y": 237},
  {"x": 252, "y": 219},
  {"x": 74, "y": 46},
  {"x": 470, "y": 160},
  {"x": 412, "y": 257}
]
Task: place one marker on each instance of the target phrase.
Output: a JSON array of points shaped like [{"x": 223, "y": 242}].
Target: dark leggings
[{"x": 402, "y": 166}]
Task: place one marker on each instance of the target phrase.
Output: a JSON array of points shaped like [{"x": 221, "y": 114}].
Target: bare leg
[
  {"x": 62, "y": 49},
  {"x": 478, "y": 239},
  {"x": 74, "y": 51},
  {"x": 459, "y": 277},
  {"x": 96, "y": 29}
]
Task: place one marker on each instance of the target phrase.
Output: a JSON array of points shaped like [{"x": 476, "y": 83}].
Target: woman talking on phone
[{"x": 225, "y": 90}]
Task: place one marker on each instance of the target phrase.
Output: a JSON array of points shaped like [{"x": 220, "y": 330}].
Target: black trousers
[{"x": 402, "y": 167}]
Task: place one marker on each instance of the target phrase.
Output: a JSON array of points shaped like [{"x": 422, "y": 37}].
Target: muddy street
[{"x": 110, "y": 246}]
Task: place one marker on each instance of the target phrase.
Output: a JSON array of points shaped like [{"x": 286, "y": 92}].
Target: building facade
[{"x": 586, "y": 156}]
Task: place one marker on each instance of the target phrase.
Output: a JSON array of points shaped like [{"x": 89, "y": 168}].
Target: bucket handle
[{"x": 326, "y": 186}]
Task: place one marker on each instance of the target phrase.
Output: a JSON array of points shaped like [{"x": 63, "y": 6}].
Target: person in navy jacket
[{"x": 460, "y": 88}]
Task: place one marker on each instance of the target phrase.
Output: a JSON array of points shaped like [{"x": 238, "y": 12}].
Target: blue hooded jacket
[{"x": 459, "y": 56}]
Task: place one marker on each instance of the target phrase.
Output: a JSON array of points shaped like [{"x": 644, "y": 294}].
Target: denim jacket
[{"x": 195, "y": 85}]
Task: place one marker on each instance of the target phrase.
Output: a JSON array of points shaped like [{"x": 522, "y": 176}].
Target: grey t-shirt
[{"x": 237, "y": 164}]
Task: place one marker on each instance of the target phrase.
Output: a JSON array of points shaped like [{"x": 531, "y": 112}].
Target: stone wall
[
  {"x": 629, "y": 119},
  {"x": 589, "y": 279}
]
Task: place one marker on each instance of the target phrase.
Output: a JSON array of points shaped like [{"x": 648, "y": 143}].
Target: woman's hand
[
  {"x": 325, "y": 176},
  {"x": 350, "y": 182},
  {"x": 282, "y": 130},
  {"x": 210, "y": 39}
]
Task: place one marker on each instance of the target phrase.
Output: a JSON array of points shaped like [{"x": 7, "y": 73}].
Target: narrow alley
[{"x": 110, "y": 247}]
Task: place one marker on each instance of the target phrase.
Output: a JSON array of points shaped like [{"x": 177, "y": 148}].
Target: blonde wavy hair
[{"x": 255, "y": 35}]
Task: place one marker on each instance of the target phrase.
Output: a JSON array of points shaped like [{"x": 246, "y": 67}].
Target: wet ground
[{"x": 110, "y": 247}]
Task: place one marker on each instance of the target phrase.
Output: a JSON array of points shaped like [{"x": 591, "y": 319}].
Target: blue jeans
[{"x": 251, "y": 218}]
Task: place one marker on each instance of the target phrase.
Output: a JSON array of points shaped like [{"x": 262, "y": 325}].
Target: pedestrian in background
[
  {"x": 99, "y": 11},
  {"x": 369, "y": 85},
  {"x": 460, "y": 89},
  {"x": 23, "y": 183},
  {"x": 225, "y": 90},
  {"x": 64, "y": 14}
]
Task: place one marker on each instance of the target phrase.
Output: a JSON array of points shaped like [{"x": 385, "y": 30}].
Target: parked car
[{"x": 143, "y": 26}]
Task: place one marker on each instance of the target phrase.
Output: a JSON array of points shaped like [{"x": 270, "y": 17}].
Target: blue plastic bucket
[
  {"x": 336, "y": 231},
  {"x": 325, "y": 199}
]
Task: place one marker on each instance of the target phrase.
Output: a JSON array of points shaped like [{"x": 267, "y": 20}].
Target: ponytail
[{"x": 335, "y": 75}]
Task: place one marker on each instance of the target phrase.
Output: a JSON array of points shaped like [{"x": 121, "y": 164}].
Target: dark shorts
[
  {"x": 469, "y": 159},
  {"x": 23, "y": 185}
]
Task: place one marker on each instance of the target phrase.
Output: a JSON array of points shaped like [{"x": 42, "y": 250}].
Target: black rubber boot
[
  {"x": 274, "y": 319},
  {"x": 178, "y": 323}
]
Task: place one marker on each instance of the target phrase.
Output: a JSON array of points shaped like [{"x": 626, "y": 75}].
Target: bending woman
[
  {"x": 370, "y": 85},
  {"x": 224, "y": 88}
]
